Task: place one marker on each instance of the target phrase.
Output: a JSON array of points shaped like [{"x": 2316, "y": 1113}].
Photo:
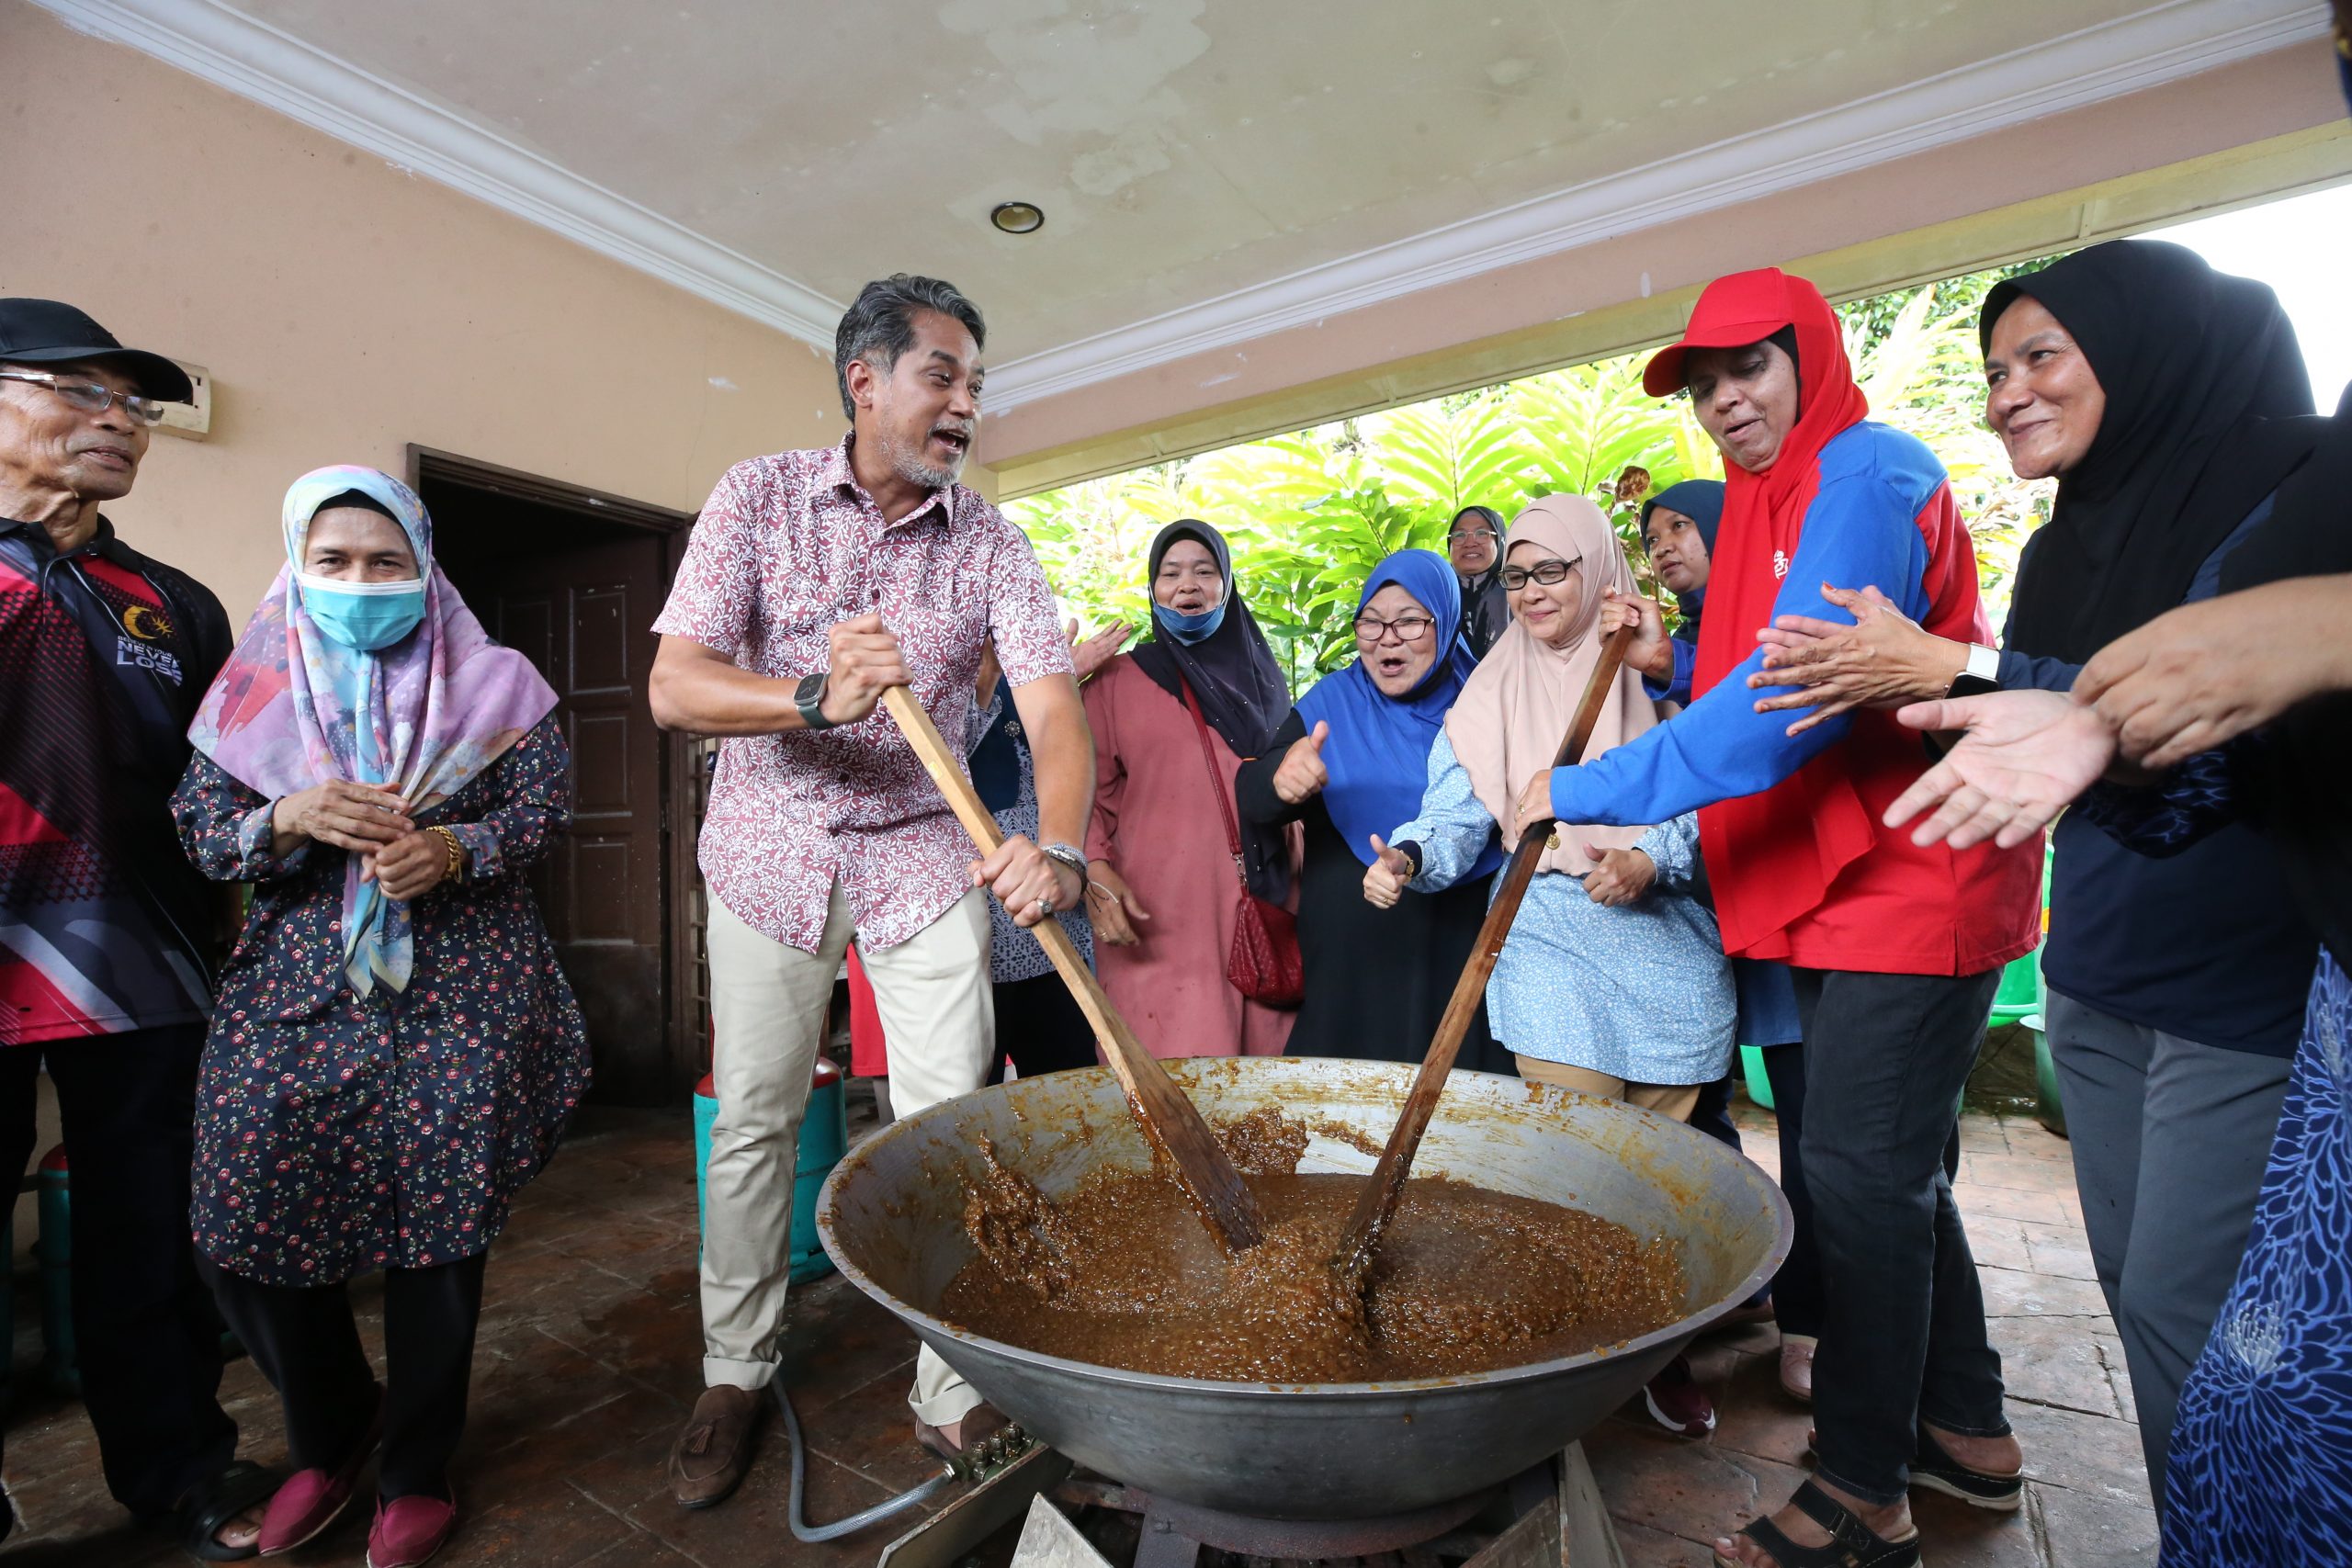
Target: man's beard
[{"x": 908, "y": 463}]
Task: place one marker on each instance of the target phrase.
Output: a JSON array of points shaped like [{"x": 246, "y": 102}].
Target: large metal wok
[{"x": 891, "y": 1216}]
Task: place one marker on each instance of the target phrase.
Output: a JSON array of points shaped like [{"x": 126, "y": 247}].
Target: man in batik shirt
[{"x": 814, "y": 581}]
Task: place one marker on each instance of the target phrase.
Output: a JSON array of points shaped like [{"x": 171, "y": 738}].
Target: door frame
[{"x": 682, "y": 1044}]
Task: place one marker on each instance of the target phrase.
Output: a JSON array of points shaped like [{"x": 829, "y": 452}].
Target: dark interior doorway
[{"x": 572, "y": 580}]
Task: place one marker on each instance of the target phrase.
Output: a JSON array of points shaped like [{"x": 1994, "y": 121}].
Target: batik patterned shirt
[{"x": 787, "y": 546}]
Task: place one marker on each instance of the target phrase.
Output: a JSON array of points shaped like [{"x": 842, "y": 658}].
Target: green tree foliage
[{"x": 1309, "y": 515}]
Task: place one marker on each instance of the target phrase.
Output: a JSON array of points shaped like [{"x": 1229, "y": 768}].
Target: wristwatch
[
  {"x": 1980, "y": 675},
  {"x": 809, "y": 698}
]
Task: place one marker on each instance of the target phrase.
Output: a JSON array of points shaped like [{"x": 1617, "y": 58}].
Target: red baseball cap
[{"x": 1732, "y": 311}]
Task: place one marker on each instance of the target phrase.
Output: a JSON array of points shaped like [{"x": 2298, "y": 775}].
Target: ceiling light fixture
[{"x": 1018, "y": 217}]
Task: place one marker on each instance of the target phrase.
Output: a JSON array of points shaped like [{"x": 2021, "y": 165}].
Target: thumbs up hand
[
  {"x": 1618, "y": 876},
  {"x": 1385, "y": 879},
  {"x": 1302, "y": 774}
]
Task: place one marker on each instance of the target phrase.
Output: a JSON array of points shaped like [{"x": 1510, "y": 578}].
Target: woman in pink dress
[{"x": 1164, "y": 892}]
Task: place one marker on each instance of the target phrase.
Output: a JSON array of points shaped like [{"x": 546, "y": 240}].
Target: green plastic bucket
[
  {"x": 2051, "y": 1111},
  {"x": 2021, "y": 991},
  {"x": 1760, "y": 1082},
  {"x": 824, "y": 1138}
]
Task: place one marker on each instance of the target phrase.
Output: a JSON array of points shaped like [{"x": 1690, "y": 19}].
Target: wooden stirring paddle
[
  {"x": 1170, "y": 1122},
  {"x": 1377, "y": 1202}
]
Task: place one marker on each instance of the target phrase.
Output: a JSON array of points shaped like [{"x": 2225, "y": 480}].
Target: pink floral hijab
[{"x": 293, "y": 708}]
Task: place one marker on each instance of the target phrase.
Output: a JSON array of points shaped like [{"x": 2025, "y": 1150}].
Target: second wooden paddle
[
  {"x": 1378, "y": 1202},
  {"x": 1170, "y": 1122}
]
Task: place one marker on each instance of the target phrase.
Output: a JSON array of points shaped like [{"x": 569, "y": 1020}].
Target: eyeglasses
[
  {"x": 1458, "y": 535},
  {"x": 1372, "y": 631},
  {"x": 1545, "y": 573},
  {"x": 91, "y": 398}
]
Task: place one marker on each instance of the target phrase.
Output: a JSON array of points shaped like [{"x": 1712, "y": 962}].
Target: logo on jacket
[
  {"x": 1779, "y": 563},
  {"x": 145, "y": 623}
]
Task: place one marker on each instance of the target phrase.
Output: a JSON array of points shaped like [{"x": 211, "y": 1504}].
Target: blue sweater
[{"x": 1719, "y": 747}]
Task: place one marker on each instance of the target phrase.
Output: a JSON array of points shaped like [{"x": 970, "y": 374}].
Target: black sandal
[
  {"x": 1936, "y": 1470},
  {"x": 1851, "y": 1545},
  {"x": 210, "y": 1505}
]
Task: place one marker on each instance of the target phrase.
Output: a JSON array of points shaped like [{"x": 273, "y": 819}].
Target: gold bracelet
[{"x": 457, "y": 861}]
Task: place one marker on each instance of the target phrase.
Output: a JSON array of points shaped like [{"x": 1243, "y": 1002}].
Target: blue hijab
[
  {"x": 1378, "y": 751},
  {"x": 1701, "y": 501}
]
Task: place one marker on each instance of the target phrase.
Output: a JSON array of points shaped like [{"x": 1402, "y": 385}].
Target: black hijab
[
  {"x": 1485, "y": 608},
  {"x": 1238, "y": 682},
  {"x": 2203, "y": 382},
  {"x": 2303, "y": 775}
]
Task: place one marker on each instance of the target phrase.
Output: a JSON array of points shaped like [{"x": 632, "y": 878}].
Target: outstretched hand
[
  {"x": 1884, "y": 658},
  {"x": 1302, "y": 774},
  {"x": 2022, "y": 756},
  {"x": 1385, "y": 879},
  {"x": 2206, "y": 673}
]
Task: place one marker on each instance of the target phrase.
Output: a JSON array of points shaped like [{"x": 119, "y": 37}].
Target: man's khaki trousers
[{"x": 768, "y": 1003}]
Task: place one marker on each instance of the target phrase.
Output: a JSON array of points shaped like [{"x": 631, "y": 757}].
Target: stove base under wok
[{"x": 1550, "y": 1515}]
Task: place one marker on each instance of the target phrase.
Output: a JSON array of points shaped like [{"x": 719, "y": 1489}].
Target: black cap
[{"x": 45, "y": 331}]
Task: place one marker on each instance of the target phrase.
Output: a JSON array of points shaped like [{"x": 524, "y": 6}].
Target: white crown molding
[
  {"x": 280, "y": 72},
  {"x": 2148, "y": 49},
  {"x": 2112, "y": 59}
]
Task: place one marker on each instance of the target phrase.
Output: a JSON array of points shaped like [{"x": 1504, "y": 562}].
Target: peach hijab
[{"x": 1516, "y": 708}]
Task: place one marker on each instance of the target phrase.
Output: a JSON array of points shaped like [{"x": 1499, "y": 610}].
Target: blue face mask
[
  {"x": 363, "y": 616},
  {"x": 1189, "y": 629}
]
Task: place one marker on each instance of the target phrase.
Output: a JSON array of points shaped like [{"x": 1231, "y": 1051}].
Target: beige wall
[{"x": 346, "y": 310}]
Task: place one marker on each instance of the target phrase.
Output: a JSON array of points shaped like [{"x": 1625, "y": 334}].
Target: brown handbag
[{"x": 1264, "y": 963}]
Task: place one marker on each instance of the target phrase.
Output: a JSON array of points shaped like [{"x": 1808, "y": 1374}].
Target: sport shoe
[
  {"x": 712, "y": 1455},
  {"x": 1677, "y": 1402},
  {"x": 409, "y": 1530}
]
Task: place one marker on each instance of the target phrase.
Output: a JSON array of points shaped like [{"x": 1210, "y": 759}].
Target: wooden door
[{"x": 583, "y": 614}]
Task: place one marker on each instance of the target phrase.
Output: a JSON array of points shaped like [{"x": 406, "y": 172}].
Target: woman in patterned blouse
[{"x": 394, "y": 1052}]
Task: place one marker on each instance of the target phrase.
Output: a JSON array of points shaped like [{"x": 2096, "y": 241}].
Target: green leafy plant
[{"x": 1309, "y": 515}]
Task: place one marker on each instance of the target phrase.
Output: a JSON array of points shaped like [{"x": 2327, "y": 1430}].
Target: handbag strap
[{"x": 1217, "y": 785}]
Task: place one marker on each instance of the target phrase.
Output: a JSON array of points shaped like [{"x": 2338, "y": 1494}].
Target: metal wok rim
[{"x": 1183, "y": 1069}]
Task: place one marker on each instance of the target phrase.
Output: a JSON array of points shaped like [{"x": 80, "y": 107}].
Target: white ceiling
[{"x": 1210, "y": 169}]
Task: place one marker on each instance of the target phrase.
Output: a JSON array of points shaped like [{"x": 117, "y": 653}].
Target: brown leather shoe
[
  {"x": 710, "y": 1457},
  {"x": 979, "y": 1423}
]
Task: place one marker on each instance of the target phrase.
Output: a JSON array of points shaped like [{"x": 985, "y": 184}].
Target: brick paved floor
[{"x": 589, "y": 1353}]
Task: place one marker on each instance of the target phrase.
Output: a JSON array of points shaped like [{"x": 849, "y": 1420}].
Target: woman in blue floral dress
[{"x": 394, "y": 1052}]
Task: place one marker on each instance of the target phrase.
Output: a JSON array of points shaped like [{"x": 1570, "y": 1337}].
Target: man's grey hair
[{"x": 881, "y": 325}]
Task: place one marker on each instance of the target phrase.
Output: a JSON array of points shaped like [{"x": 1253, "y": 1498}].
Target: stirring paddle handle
[
  {"x": 1168, "y": 1116},
  {"x": 1377, "y": 1202}
]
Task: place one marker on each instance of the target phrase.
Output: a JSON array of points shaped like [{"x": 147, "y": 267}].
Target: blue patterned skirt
[{"x": 2261, "y": 1454}]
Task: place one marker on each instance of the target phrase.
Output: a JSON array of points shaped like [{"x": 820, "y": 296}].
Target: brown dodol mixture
[{"x": 1122, "y": 1273}]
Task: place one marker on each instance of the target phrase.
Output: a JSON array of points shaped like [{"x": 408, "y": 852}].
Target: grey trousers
[{"x": 2181, "y": 1132}]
